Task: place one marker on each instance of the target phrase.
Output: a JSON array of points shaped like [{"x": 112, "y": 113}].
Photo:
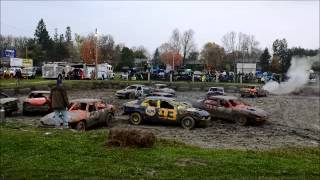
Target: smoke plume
[{"x": 298, "y": 76}]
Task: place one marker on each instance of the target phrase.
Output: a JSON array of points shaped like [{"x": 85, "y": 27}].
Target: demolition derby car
[
  {"x": 37, "y": 102},
  {"x": 83, "y": 114},
  {"x": 253, "y": 91},
  {"x": 133, "y": 91},
  {"x": 9, "y": 104},
  {"x": 163, "y": 88},
  {"x": 165, "y": 110},
  {"x": 213, "y": 91},
  {"x": 230, "y": 108}
]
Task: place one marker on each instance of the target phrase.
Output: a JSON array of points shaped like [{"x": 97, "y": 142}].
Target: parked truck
[{"x": 55, "y": 70}]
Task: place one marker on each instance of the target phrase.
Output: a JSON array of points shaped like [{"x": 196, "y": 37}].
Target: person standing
[
  {"x": 18, "y": 76},
  {"x": 59, "y": 103}
]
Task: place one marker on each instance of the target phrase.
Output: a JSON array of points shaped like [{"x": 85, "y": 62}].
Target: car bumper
[
  {"x": 120, "y": 95},
  {"x": 31, "y": 108}
]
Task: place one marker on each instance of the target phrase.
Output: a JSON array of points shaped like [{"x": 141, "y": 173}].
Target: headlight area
[{"x": 206, "y": 118}]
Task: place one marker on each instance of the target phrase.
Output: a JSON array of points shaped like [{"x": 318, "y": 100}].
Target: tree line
[{"x": 179, "y": 50}]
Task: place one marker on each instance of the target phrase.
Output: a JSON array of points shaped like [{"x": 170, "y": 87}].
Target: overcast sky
[{"x": 150, "y": 23}]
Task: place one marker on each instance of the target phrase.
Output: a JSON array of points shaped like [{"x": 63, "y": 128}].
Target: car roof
[
  {"x": 217, "y": 87},
  {"x": 224, "y": 97},
  {"x": 136, "y": 85},
  {"x": 160, "y": 98},
  {"x": 43, "y": 92},
  {"x": 160, "y": 84},
  {"x": 85, "y": 100}
]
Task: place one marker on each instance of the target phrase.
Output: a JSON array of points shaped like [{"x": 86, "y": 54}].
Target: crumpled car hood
[
  {"x": 124, "y": 91},
  {"x": 251, "y": 110},
  {"x": 72, "y": 117}
]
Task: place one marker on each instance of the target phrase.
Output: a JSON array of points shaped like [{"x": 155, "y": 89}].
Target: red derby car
[
  {"x": 231, "y": 108},
  {"x": 37, "y": 102}
]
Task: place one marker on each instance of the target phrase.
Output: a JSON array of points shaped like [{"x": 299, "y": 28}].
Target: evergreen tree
[
  {"x": 156, "y": 57},
  {"x": 55, "y": 36},
  {"x": 42, "y": 36},
  {"x": 265, "y": 60},
  {"x": 68, "y": 35}
]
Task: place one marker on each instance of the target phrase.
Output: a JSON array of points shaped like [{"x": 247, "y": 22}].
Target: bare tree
[
  {"x": 175, "y": 41},
  {"x": 187, "y": 43},
  {"x": 229, "y": 41}
]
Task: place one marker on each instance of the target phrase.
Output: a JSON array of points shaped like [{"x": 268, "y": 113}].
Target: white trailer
[
  {"x": 54, "y": 70},
  {"x": 106, "y": 70}
]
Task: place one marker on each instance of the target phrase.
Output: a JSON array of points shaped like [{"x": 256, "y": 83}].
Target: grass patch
[{"x": 28, "y": 152}]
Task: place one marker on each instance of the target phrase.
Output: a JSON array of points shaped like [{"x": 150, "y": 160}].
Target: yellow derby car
[{"x": 165, "y": 110}]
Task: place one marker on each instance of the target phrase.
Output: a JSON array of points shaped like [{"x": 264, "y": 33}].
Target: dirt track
[{"x": 294, "y": 121}]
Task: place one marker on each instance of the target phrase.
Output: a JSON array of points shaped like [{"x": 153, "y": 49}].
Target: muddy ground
[{"x": 294, "y": 121}]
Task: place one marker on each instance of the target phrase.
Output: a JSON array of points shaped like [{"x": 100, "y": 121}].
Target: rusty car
[
  {"x": 253, "y": 91},
  {"x": 163, "y": 109},
  {"x": 84, "y": 114},
  {"x": 231, "y": 108},
  {"x": 163, "y": 88},
  {"x": 9, "y": 104},
  {"x": 37, "y": 102}
]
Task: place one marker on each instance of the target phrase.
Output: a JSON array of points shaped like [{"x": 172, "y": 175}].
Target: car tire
[
  {"x": 109, "y": 119},
  {"x": 135, "y": 118},
  {"x": 188, "y": 122},
  {"x": 241, "y": 120},
  {"x": 81, "y": 126}
]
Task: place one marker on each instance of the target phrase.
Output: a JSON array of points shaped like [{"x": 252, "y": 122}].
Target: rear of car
[{"x": 37, "y": 102}]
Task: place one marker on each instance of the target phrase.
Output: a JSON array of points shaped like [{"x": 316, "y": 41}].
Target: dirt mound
[{"x": 124, "y": 137}]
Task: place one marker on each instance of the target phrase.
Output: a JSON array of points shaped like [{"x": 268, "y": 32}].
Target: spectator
[
  {"x": 18, "y": 76},
  {"x": 59, "y": 103}
]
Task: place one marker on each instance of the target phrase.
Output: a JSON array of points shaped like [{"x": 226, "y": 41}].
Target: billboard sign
[{"x": 9, "y": 53}]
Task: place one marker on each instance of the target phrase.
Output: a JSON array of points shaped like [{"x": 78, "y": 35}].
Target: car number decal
[
  {"x": 170, "y": 114},
  {"x": 151, "y": 111}
]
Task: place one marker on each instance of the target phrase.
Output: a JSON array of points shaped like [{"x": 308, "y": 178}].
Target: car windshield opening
[{"x": 166, "y": 105}]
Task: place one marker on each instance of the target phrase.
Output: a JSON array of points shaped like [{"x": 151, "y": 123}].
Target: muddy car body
[
  {"x": 84, "y": 114},
  {"x": 230, "y": 108},
  {"x": 214, "y": 91},
  {"x": 9, "y": 104},
  {"x": 37, "y": 102},
  {"x": 133, "y": 91},
  {"x": 163, "y": 88},
  {"x": 165, "y": 110},
  {"x": 253, "y": 91}
]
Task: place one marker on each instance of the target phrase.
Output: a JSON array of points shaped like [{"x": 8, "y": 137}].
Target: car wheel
[
  {"x": 81, "y": 126},
  {"x": 132, "y": 96},
  {"x": 188, "y": 122},
  {"x": 135, "y": 118},
  {"x": 109, "y": 119},
  {"x": 241, "y": 120}
]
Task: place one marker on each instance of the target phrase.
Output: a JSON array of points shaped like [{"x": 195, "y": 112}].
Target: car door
[
  {"x": 94, "y": 115},
  {"x": 224, "y": 109},
  {"x": 167, "y": 111},
  {"x": 151, "y": 109},
  {"x": 212, "y": 105}
]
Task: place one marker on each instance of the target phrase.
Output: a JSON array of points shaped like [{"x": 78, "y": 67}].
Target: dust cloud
[{"x": 298, "y": 76}]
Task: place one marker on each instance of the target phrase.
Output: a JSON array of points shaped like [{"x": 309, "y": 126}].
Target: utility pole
[
  {"x": 96, "y": 34},
  {"x": 26, "y": 52},
  {"x": 173, "y": 62}
]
